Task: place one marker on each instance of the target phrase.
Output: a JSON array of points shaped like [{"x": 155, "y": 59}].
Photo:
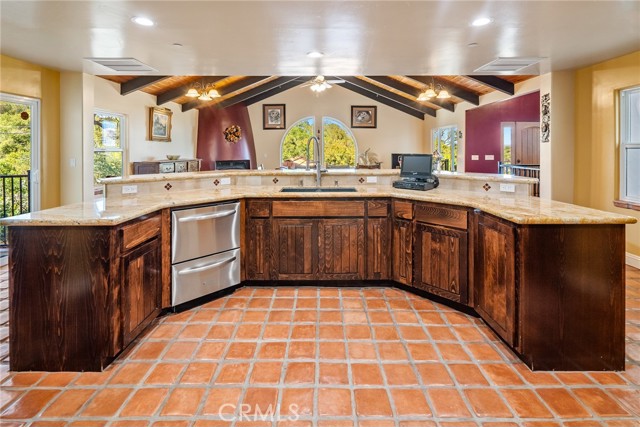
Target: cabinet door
[
  {"x": 494, "y": 285},
  {"x": 258, "y": 239},
  {"x": 294, "y": 249},
  {"x": 341, "y": 248},
  {"x": 141, "y": 285},
  {"x": 378, "y": 243},
  {"x": 440, "y": 260},
  {"x": 402, "y": 251}
]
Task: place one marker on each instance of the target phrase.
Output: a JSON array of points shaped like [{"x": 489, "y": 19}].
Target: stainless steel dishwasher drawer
[
  {"x": 202, "y": 276},
  {"x": 197, "y": 232}
]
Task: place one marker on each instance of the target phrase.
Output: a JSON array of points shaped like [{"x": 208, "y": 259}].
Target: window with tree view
[
  {"x": 108, "y": 147},
  {"x": 445, "y": 140},
  {"x": 337, "y": 145}
]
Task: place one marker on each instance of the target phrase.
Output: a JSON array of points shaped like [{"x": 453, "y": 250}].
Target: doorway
[{"x": 521, "y": 150}]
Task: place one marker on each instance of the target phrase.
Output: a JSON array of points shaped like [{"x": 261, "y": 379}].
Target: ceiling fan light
[
  {"x": 423, "y": 97},
  {"x": 213, "y": 93},
  {"x": 443, "y": 94},
  {"x": 430, "y": 93},
  {"x": 204, "y": 97},
  {"x": 192, "y": 93}
]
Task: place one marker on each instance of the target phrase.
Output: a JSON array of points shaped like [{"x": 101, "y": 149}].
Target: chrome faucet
[{"x": 316, "y": 153}]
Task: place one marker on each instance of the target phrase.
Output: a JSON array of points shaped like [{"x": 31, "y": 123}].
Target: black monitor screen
[{"x": 416, "y": 166}]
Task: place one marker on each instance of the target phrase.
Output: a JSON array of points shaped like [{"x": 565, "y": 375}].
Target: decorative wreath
[{"x": 232, "y": 133}]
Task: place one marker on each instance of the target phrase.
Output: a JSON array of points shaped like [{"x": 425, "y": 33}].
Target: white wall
[{"x": 396, "y": 131}]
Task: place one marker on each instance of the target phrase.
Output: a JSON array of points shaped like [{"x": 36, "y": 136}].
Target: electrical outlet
[
  {"x": 129, "y": 189},
  {"x": 508, "y": 188},
  {"x": 371, "y": 179},
  {"x": 225, "y": 181},
  {"x": 488, "y": 157},
  {"x": 475, "y": 157}
]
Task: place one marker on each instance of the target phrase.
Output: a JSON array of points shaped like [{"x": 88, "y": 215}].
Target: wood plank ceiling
[{"x": 399, "y": 92}]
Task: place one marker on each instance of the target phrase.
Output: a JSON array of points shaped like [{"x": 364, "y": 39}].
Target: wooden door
[
  {"x": 494, "y": 284},
  {"x": 440, "y": 262},
  {"x": 402, "y": 249},
  {"x": 378, "y": 242},
  {"x": 258, "y": 248},
  {"x": 141, "y": 288},
  {"x": 526, "y": 147},
  {"x": 341, "y": 249},
  {"x": 294, "y": 248}
]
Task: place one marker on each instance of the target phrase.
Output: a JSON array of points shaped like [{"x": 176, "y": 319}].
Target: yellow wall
[
  {"x": 596, "y": 158},
  {"x": 25, "y": 79}
]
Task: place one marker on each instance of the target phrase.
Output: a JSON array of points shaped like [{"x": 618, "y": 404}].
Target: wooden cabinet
[
  {"x": 495, "y": 275},
  {"x": 294, "y": 249},
  {"x": 258, "y": 240},
  {"x": 402, "y": 242},
  {"x": 341, "y": 249},
  {"x": 378, "y": 240}
]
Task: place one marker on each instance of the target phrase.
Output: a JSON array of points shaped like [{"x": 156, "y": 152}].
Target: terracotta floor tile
[
  {"x": 232, "y": 373},
  {"x": 355, "y": 317},
  {"x": 376, "y": 304},
  {"x": 434, "y": 374},
  {"x": 392, "y": 351},
  {"x": 307, "y": 292},
  {"x": 468, "y": 374},
  {"x": 410, "y": 402},
  {"x": 334, "y": 402},
  {"x": 469, "y": 333},
  {"x": 448, "y": 403},
  {"x": 412, "y": 333},
  {"x": 272, "y": 350},
  {"x": 487, "y": 403},
  {"x": 8, "y": 396},
  {"x": 525, "y": 403},
  {"x": 386, "y": 333},
  {"x": 599, "y": 402},
  {"x": 306, "y": 304},
  {"x": 92, "y": 378},
  {"x": 305, "y": 316},
  {"x": 262, "y": 400},
  {"x": 145, "y": 402},
  {"x": 331, "y": 332},
  {"x": 423, "y": 351},
  {"x": 279, "y": 316},
  {"x": 280, "y": 303},
  {"x": 183, "y": 402},
  {"x": 329, "y": 303},
  {"x": 562, "y": 403},
  {"x": 58, "y": 379},
  {"x": 357, "y": 332},
  {"x": 399, "y": 374},
  {"x": 399, "y": 304},
  {"x": 303, "y": 332},
  {"x": 197, "y": 331},
  {"x": 165, "y": 373},
  {"x": 574, "y": 378},
  {"x": 372, "y": 402},
  {"x": 266, "y": 373},
  {"x": 431, "y": 318},
  {"x": 248, "y": 331},
  {"x": 456, "y": 318},
  {"x": 241, "y": 350},
  {"x": 170, "y": 424},
  {"x": 205, "y": 316},
  {"x": 335, "y": 423},
  {"x": 68, "y": 403},
  {"x": 501, "y": 374},
  {"x": 180, "y": 350},
  {"x": 130, "y": 373},
  {"x": 362, "y": 350},
  {"x": 300, "y": 373},
  {"x": 629, "y": 399},
  {"x": 198, "y": 373},
  {"x": 607, "y": 378},
  {"x": 483, "y": 352},
  {"x": 535, "y": 378},
  {"x": 380, "y": 317},
  {"x": 106, "y": 402},
  {"x": 333, "y": 373},
  {"x": 331, "y": 292},
  {"x": 222, "y": 401},
  {"x": 297, "y": 401},
  {"x": 332, "y": 350},
  {"x": 276, "y": 332},
  {"x": 211, "y": 350},
  {"x": 441, "y": 333},
  {"x": 366, "y": 374},
  {"x": 330, "y": 317},
  {"x": 405, "y": 317},
  {"x": 352, "y": 304},
  {"x": 183, "y": 317},
  {"x": 229, "y": 316},
  {"x": 29, "y": 404},
  {"x": 259, "y": 303},
  {"x": 302, "y": 350}
]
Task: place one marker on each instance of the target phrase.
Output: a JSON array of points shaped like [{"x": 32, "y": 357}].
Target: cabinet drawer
[
  {"x": 402, "y": 210},
  {"x": 438, "y": 215},
  {"x": 318, "y": 208},
  {"x": 377, "y": 208},
  {"x": 258, "y": 209},
  {"x": 139, "y": 232}
]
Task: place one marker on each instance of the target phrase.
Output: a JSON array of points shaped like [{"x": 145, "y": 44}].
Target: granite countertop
[{"x": 524, "y": 210}]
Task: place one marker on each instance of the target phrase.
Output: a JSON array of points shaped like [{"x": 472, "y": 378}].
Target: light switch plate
[
  {"x": 129, "y": 189},
  {"x": 508, "y": 188},
  {"x": 475, "y": 157},
  {"x": 488, "y": 156},
  {"x": 372, "y": 179}
]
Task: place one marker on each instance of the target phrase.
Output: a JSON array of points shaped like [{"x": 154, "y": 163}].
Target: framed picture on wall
[
  {"x": 273, "y": 116},
  {"x": 364, "y": 116},
  {"x": 160, "y": 124}
]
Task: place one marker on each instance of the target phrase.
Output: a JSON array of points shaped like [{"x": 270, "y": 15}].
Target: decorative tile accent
[
  {"x": 361, "y": 180},
  {"x": 168, "y": 186},
  {"x": 275, "y": 180},
  {"x": 486, "y": 186},
  {"x": 216, "y": 182}
]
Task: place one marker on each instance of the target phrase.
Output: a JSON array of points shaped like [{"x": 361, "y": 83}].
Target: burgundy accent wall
[
  {"x": 483, "y": 129},
  {"x": 211, "y": 143}
]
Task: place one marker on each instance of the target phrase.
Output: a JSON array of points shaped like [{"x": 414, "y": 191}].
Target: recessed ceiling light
[
  {"x": 315, "y": 54},
  {"x": 482, "y": 21},
  {"x": 141, "y": 20}
]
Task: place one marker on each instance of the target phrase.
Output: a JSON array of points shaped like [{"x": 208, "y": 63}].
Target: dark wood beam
[
  {"x": 139, "y": 83},
  {"x": 259, "y": 90},
  {"x": 382, "y": 95},
  {"x": 403, "y": 87},
  {"x": 502, "y": 85},
  {"x": 276, "y": 90},
  {"x": 456, "y": 91},
  {"x": 176, "y": 93},
  {"x": 247, "y": 81}
]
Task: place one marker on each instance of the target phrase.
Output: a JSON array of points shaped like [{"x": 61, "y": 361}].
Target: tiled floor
[{"x": 371, "y": 357}]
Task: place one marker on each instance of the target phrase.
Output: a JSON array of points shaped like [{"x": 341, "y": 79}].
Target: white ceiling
[{"x": 358, "y": 37}]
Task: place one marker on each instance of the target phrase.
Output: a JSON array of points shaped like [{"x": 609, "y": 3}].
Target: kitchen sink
[{"x": 319, "y": 190}]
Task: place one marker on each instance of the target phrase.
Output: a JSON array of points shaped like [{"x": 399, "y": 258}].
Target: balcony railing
[
  {"x": 528, "y": 171},
  {"x": 15, "y": 193}
]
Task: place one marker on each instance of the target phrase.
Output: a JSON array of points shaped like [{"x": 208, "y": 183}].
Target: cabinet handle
[
  {"x": 208, "y": 266},
  {"x": 207, "y": 216}
]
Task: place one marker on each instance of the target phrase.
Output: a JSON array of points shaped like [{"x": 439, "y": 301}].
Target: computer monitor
[{"x": 416, "y": 166}]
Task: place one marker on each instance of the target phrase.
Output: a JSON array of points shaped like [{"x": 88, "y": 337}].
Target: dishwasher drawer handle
[
  {"x": 208, "y": 266},
  {"x": 208, "y": 216}
]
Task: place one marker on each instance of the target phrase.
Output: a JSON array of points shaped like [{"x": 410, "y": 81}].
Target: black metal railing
[
  {"x": 15, "y": 193},
  {"x": 528, "y": 171}
]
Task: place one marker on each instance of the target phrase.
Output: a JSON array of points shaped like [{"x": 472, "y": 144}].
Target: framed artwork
[
  {"x": 160, "y": 124},
  {"x": 273, "y": 116},
  {"x": 364, "y": 116}
]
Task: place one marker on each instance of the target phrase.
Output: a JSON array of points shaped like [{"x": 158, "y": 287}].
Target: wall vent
[
  {"x": 508, "y": 65},
  {"x": 129, "y": 65}
]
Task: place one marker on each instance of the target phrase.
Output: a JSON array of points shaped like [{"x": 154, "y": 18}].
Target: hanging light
[
  {"x": 434, "y": 91},
  {"x": 319, "y": 84},
  {"x": 202, "y": 91}
]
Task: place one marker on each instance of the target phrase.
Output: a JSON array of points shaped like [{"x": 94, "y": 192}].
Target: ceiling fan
[{"x": 320, "y": 83}]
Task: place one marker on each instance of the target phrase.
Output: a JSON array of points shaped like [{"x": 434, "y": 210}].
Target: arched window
[{"x": 338, "y": 146}]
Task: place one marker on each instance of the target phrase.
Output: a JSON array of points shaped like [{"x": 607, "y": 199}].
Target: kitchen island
[{"x": 85, "y": 279}]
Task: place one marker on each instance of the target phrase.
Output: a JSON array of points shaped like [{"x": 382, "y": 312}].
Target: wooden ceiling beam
[
  {"x": 413, "y": 91},
  {"x": 276, "y": 90},
  {"x": 247, "y": 81},
  {"x": 259, "y": 90},
  {"x": 139, "y": 83},
  {"x": 456, "y": 91},
  {"x": 386, "y": 97},
  {"x": 175, "y": 93},
  {"x": 502, "y": 85}
]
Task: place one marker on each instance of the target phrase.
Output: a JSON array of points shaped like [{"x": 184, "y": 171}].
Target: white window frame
[
  {"x": 627, "y": 116},
  {"x": 123, "y": 140}
]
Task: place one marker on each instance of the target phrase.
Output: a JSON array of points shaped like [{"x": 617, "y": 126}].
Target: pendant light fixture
[
  {"x": 202, "y": 91},
  {"x": 434, "y": 91}
]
